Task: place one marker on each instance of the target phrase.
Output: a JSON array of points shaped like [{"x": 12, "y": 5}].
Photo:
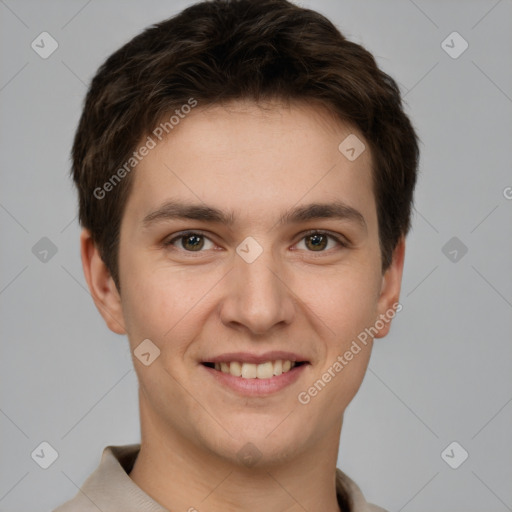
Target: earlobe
[
  {"x": 388, "y": 303},
  {"x": 101, "y": 285}
]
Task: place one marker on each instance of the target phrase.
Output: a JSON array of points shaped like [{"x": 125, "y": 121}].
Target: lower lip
[{"x": 257, "y": 387}]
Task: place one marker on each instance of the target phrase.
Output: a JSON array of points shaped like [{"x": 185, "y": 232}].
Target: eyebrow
[{"x": 172, "y": 210}]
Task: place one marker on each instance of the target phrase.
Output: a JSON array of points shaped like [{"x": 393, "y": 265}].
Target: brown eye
[
  {"x": 190, "y": 242},
  {"x": 316, "y": 242},
  {"x": 320, "y": 241}
]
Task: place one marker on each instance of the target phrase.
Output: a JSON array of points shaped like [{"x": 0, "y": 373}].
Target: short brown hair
[{"x": 226, "y": 50}]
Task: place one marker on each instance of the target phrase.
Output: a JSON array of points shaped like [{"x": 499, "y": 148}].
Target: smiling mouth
[{"x": 265, "y": 370}]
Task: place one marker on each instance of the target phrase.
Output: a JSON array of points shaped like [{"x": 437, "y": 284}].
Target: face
[{"x": 249, "y": 256}]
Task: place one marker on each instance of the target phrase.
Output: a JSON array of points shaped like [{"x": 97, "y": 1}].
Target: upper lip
[{"x": 247, "y": 357}]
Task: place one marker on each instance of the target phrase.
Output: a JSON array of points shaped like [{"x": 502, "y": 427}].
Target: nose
[{"x": 257, "y": 297}]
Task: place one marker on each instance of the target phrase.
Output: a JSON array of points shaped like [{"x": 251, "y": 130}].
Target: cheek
[
  {"x": 163, "y": 305},
  {"x": 346, "y": 309},
  {"x": 345, "y": 301}
]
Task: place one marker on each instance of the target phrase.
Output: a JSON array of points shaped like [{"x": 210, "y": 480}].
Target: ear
[
  {"x": 388, "y": 303},
  {"x": 101, "y": 285}
]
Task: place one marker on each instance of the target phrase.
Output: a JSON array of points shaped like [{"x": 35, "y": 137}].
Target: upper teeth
[{"x": 255, "y": 371}]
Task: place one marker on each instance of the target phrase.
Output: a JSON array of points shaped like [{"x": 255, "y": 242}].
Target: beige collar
[{"x": 110, "y": 489}]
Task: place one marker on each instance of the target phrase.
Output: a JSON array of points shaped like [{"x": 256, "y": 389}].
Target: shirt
[{"x": 110, "y": 489}]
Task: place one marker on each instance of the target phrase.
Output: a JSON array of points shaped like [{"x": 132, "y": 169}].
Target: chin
[{"x": 254, "y": 445}]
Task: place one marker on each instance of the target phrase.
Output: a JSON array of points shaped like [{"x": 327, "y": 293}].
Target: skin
[{"x": 254, "y": 163}]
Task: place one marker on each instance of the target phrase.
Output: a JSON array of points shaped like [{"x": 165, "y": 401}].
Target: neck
[{"x": 180, "y": 475}]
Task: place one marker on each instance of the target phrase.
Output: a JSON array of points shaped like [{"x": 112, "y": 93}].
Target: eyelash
[{"x": 343, "y": 243}]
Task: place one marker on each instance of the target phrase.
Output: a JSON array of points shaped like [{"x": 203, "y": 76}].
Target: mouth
[
  {"x": 245, "y": 370},
  {"x": 256, "y": 375}
]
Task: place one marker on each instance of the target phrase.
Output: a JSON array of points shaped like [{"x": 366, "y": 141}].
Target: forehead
[{"x": 255, "y": 158}]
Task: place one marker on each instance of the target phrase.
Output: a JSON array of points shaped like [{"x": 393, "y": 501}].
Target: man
[{"x": 245, "y": 179}]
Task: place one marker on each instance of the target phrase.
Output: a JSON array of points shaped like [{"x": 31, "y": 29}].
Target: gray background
[{"x": 442, "y": 375}]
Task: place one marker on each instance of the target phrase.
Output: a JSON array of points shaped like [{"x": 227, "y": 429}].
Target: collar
[{"x": 110, "y": 489}]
